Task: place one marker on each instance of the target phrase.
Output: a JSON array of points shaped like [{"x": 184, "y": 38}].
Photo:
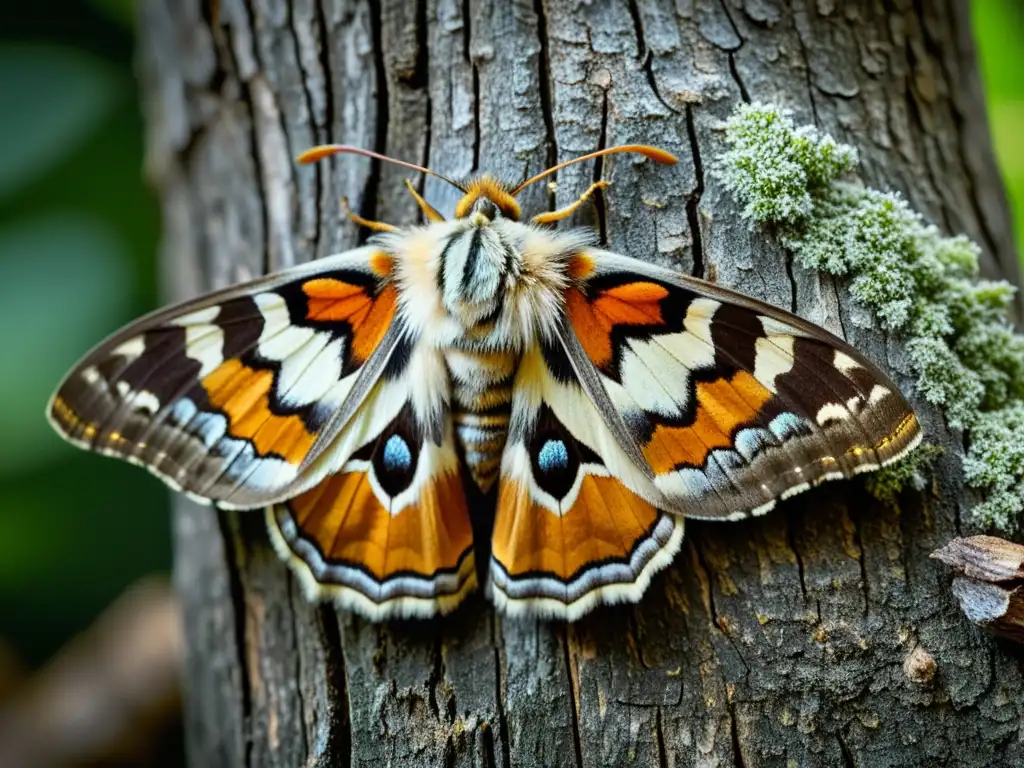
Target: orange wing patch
[
  {"x": 243, "y": 395},
  {"x": 604, "y": 549},
  {"x": 594, "y": 319},
  {"x": 723, "y": 405},
  {"x": 331, "y": 300},
  {"x": 604, "y": 523},
  {"x": 347, "y": 522},
  {"x": 381, "y": 264},
  {"x": 628, "y": 295},
  {"x": 580, "y": 267}
]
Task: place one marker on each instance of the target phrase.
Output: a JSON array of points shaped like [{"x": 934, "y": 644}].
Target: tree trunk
[{"x": 819, "y": 635}]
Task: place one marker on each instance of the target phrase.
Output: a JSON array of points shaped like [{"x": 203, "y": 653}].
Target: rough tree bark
[{"x": 806, "y": 638}]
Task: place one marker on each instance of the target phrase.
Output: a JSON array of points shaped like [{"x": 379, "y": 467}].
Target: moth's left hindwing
[
  {"x": 233, "y": 397},
  {"x": 389, "y": 534}
]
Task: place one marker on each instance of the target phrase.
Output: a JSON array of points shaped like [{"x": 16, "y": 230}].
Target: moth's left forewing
[
  {"x": 733, "y": 403},
  {"x": 233, "y": 396}
]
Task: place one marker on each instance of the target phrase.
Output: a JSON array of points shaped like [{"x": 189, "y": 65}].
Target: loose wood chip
[{"x": 991, "y": 587}]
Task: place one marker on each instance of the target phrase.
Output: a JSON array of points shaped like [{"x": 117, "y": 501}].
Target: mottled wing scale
[
  {"x": 233, "y": 397},
  {"x": 389, "y": 534},
  {"x": 577, "y": 522},
  {"x": 733, "y": 403}
]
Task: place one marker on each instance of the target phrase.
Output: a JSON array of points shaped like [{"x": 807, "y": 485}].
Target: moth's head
[
  {"x": 487, "y": 197},
  {"x": 484, "y": 198}
]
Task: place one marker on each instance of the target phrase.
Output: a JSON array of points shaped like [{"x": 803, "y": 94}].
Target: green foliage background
[
  {"x": 78, "y": 233},
  {"x": 999, "y": 32}
]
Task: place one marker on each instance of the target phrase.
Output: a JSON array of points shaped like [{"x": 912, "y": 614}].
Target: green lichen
[
  {"x": 944, "y": 380},
  {"x": 921, "y": 285},
  {"x": 782, "y": 167},
  {"x": 887, "y": 483},
  {"x": 996, "y": 463}
]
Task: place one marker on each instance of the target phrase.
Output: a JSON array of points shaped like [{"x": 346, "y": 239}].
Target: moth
[{"x": 592, "y": 400}]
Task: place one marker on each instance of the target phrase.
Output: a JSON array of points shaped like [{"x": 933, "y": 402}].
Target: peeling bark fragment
[
  {"x": 920, "y": 666},
  {"x": 994, "y": 607},
  {"x": 984, "y": 558},
  {"x": 991, "y": 590}
]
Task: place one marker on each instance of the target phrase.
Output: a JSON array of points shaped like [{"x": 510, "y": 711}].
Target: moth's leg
[
  {"x": 376, "y": 226},
  {"x": 428, "y": 210},
  {"x": 561, "y": 213}
]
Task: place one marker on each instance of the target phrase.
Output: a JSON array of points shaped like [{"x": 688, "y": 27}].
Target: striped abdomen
[{"x": 481, "y": 404}]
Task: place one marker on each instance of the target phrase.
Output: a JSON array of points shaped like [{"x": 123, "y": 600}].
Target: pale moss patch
[
  {"x": 967, "y": 358},
  {"x": 996, "y": 462},
  {"x": 782, "y": 167},
  {"x": 887, "y": 483}
]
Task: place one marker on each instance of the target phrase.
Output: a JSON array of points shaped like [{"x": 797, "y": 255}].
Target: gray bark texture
[{"x": 820, "y": 635}]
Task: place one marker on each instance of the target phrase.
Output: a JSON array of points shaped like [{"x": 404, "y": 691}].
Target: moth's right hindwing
[{"x": 578, "y": 522}]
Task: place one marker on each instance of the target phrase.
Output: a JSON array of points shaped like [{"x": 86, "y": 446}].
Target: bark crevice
[
  {"x": 380, "y": 142},
  {"x": 574, "y": 685},
  {"x": 693, "y": 201},
  {"x": 544, "y": 67},
  {"x": 231, "y": 536}
]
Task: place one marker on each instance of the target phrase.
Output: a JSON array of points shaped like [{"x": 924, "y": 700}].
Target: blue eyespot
[
  {"x": 397, "y": 456},
  {"x": 552, "y": 456},
  {"x": 787, "y": 425}
]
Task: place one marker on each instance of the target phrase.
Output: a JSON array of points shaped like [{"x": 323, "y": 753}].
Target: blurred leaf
[
  {"x": 66, "y": 284},
  {"x": 121, "y": 11},
  {"x": 999, "y": 32},
  {"x": 27, "y": 549},
  {"x": 999, "y": 27},
  {"x": 1007, "y": 117},
  {"x": 73, "y": 533},
  {"x": 75, "y": 528},
  {"x": 51, "y": 99}
]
